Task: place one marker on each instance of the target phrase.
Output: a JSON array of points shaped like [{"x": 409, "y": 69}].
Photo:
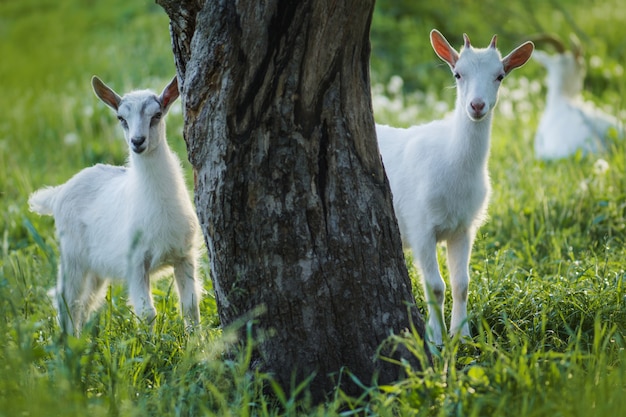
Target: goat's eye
[
  {"x": 457, "y": 75},
  {"x": 122, "y": 121},
  {"x": 500, "y": 77},
  {"x": 156, "y": 118}
]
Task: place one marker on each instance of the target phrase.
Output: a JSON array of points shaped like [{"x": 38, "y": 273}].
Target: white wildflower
[
  {"x": 600, "y": 167},
  {"x": 395, "y": 84},
  {"x": 595, "y": 61},
  {"x": 70, "y": 139}
]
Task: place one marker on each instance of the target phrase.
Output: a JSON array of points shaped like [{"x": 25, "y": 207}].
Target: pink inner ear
[
  {"x": 170, "y": 93},
  {"x": 443, "y": 49},
  {"x": 108, "y": 96},
  {"x": 518, "y": 57},
  {"x": 166, "y": 100}
]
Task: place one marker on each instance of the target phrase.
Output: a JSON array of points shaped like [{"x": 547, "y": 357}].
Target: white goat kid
[
  {"x": 568, "y": 123},
  {"x": 438, "y": 175},
  {"x": 125, "y": 222}
]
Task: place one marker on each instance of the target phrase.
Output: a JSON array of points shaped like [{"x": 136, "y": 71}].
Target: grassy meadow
[{"x": 547, "y": 298}]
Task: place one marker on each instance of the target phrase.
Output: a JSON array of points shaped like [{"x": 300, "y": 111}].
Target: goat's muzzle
[
  {"x": 138, "y": 144},
  {"x": 477, "y": 110}
]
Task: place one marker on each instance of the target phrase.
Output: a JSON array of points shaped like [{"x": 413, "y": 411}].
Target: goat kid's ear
[
  {"x": 105, "y": 93},
  {"x": 169, "y": 95},
  {"x": 443, "y": 49},
  {"x": 518, "y": 57}
]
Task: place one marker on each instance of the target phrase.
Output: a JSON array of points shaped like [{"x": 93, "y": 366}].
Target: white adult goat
[
  {"x": 438, "y": 175},
  {"x": 125, "y": 222},
  {"x": 568, "y": 123}
]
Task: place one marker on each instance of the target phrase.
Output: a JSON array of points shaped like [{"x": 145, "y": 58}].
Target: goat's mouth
[
  {"x": 139, "y": 149},
  {"x": 477, "y": 116}
]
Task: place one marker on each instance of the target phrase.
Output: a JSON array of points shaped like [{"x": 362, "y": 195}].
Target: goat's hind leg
[
  {"x": 69, "y": 292},
  {"x": 189, "y": 290},
  {"x": 93, "y": 292}
]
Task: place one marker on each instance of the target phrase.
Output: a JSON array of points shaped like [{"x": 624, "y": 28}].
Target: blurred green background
[{"x": 50, "y": 49}]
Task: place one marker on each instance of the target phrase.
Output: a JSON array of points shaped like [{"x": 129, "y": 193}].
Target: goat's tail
[{"x": 42, "y": 200}]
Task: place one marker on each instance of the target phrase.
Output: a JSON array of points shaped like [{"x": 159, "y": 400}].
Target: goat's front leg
[
  {"x": 139, "y": 293},
  {"x": 189, "y": 290},
  {"x": 425, "y": 253},
  {"x": 459, "y": 249}
]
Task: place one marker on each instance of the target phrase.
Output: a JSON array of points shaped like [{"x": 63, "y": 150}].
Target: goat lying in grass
[
  {"x": 125, "y": 222},
  {"x": 568, "y": 123},
  {"x": 438, "y": 174}
]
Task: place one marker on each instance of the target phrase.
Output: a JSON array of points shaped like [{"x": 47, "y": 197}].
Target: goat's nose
[
  {"x": 138, "y": 140},
  {"x": 477, "y": 105}
]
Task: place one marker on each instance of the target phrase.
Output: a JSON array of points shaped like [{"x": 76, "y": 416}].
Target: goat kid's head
[
  {"x": 566, "y": 68},
  {"x": 140, "y": 113},
  {"x": 478, "y": 72}
]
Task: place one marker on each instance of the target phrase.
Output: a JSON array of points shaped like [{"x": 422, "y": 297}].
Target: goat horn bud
[
  {"x": 577, "y": 48},
  {"x": 493, "y": 41},
  {"x": 467, "y": 40}
]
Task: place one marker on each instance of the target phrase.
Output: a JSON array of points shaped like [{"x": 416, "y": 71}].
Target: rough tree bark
[{"x": 291, "y": 194}]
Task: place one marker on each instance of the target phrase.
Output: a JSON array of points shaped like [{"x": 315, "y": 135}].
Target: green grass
[{"x": 547, "y": 297}]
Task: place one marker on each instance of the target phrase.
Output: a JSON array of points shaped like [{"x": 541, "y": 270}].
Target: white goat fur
[
  {"x": 438, "y": 175},
  {"x": 568, "y": 123},
  {"x": 125, "y": 222}
]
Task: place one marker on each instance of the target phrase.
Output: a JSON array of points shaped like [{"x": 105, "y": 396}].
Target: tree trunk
[{"x": 290, "y": 190}]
